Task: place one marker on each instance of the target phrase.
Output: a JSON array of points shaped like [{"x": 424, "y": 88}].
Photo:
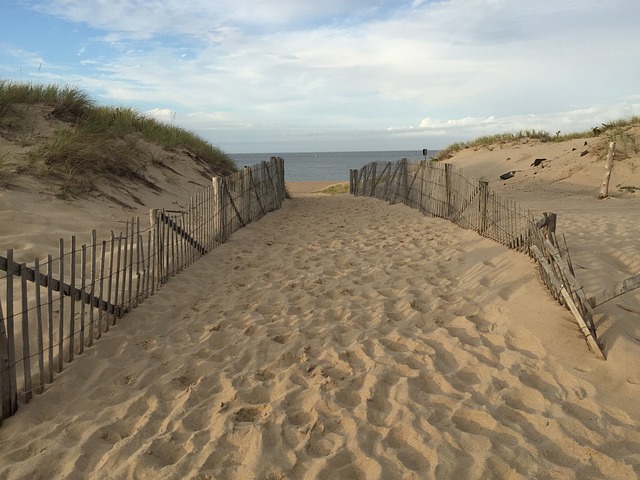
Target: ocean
[{"x": 326, "y": 166}]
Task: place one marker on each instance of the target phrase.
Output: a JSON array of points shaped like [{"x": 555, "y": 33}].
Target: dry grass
[
  {"x": 337, "y": 189},
  {"x": 97, "y": 141},
  {"x": 618, "y": 131}
]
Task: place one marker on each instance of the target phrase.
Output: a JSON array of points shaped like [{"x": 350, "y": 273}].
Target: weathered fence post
[
  {"x": 13, "y": 387},
  {"x": 448, "y": 189},
  {"x": 604, "y": 188},
  {"x": 61, "y": 312},
  {"x": 372, "y": 179},
  {"x": 221, "y": 223},
  {"x": 404, "y": 180},
  {"x": 483, "y": 201},
  {"x": 153, "y": 249},
  {"x": 246, "y": 195},
  {"x": 550, "y": 227},
  {"x": 26, "y": 353}
]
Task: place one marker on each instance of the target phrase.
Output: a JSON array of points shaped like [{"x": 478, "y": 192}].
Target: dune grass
[
  {"x": 617, "y": 130},
  {"x": 7, "y": 171},
  {"x": 337, "y": 189},
  {"x": 99, "y": 140}
]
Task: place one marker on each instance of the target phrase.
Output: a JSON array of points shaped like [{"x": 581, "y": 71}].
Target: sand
[{"x": 345, "y": 338}]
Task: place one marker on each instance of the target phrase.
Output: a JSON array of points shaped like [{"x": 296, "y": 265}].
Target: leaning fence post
[
  {"x": 372, "y": 179},
  {"x": 550, "y": 227},
  {"x": 404, "y": 175}
]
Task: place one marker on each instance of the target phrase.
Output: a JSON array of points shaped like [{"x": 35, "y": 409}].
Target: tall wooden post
[{"x": 604, "y": 188}]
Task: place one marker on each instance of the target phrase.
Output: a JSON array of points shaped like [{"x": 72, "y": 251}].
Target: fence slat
[
  {"x": 13, "y": 386},
  {"x": 117, "y": 275},
  {"x": 103, "y": 253},
  {"x": 40, "y": 338},
  {"x": 26, "y": 355},
  {"x": 72, "y": 306},
  {"x": 125, "y": 258},
  {"x": 92, "y": 288},
  {"x": 5, "y": 373},
  {"x": 61, "y": 310},
  {"x": 83, "y": 287},
  {"x": 133, "y": 237},
  {"x": 50, "y": 314}
]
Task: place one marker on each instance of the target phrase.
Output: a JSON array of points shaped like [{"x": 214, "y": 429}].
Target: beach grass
[
  {"x": 617, "y": 130},
  {"x": 97, "y": 140},
  {"x": 337, "y": 189}
]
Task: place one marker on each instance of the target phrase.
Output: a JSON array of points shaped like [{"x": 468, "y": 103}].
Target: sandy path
[{"x": 338, "y": 338}]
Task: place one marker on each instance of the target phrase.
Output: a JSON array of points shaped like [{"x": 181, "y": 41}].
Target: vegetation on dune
[
  {"x": 618, "y": 131},
  {"x": 96, "y": 140},
  {"x": 337, "y": 189}
]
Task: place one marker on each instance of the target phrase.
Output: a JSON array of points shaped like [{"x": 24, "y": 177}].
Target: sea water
[{"x": 326, "y": 166}]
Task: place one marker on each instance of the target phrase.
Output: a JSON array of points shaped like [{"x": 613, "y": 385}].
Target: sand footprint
[{"x": 408, "y": 447}]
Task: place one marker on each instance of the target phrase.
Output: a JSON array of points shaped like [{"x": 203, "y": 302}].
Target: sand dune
[{"x": 341, "y": 338}]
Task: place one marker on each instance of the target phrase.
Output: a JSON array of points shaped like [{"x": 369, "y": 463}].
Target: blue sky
[{"x": 336, "y": 75}]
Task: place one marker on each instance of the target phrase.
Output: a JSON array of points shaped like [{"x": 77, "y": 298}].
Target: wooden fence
[
  {"x": 441, "y": 190},
  {"x": 55, "y": 308}
]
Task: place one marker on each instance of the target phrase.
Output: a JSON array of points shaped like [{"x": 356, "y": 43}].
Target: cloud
[
  {"x": 31, "y": 59},
  {"x": 162, "y": 114},
  {"x": 271, "y": 68},
  {"x": 567, "y": 121}
]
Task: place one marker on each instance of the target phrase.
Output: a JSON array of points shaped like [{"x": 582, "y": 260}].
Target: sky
[{"x": 261, "y": 76}]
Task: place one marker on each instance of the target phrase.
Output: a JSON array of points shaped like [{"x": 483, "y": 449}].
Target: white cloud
[
  {"x": 163, "y": 114},
  {"x": 567, "y": 121},
  {"x": 284, "y": 69}
]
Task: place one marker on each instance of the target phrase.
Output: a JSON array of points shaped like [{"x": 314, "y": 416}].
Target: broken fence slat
[{"x": 618, "y": 289}]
